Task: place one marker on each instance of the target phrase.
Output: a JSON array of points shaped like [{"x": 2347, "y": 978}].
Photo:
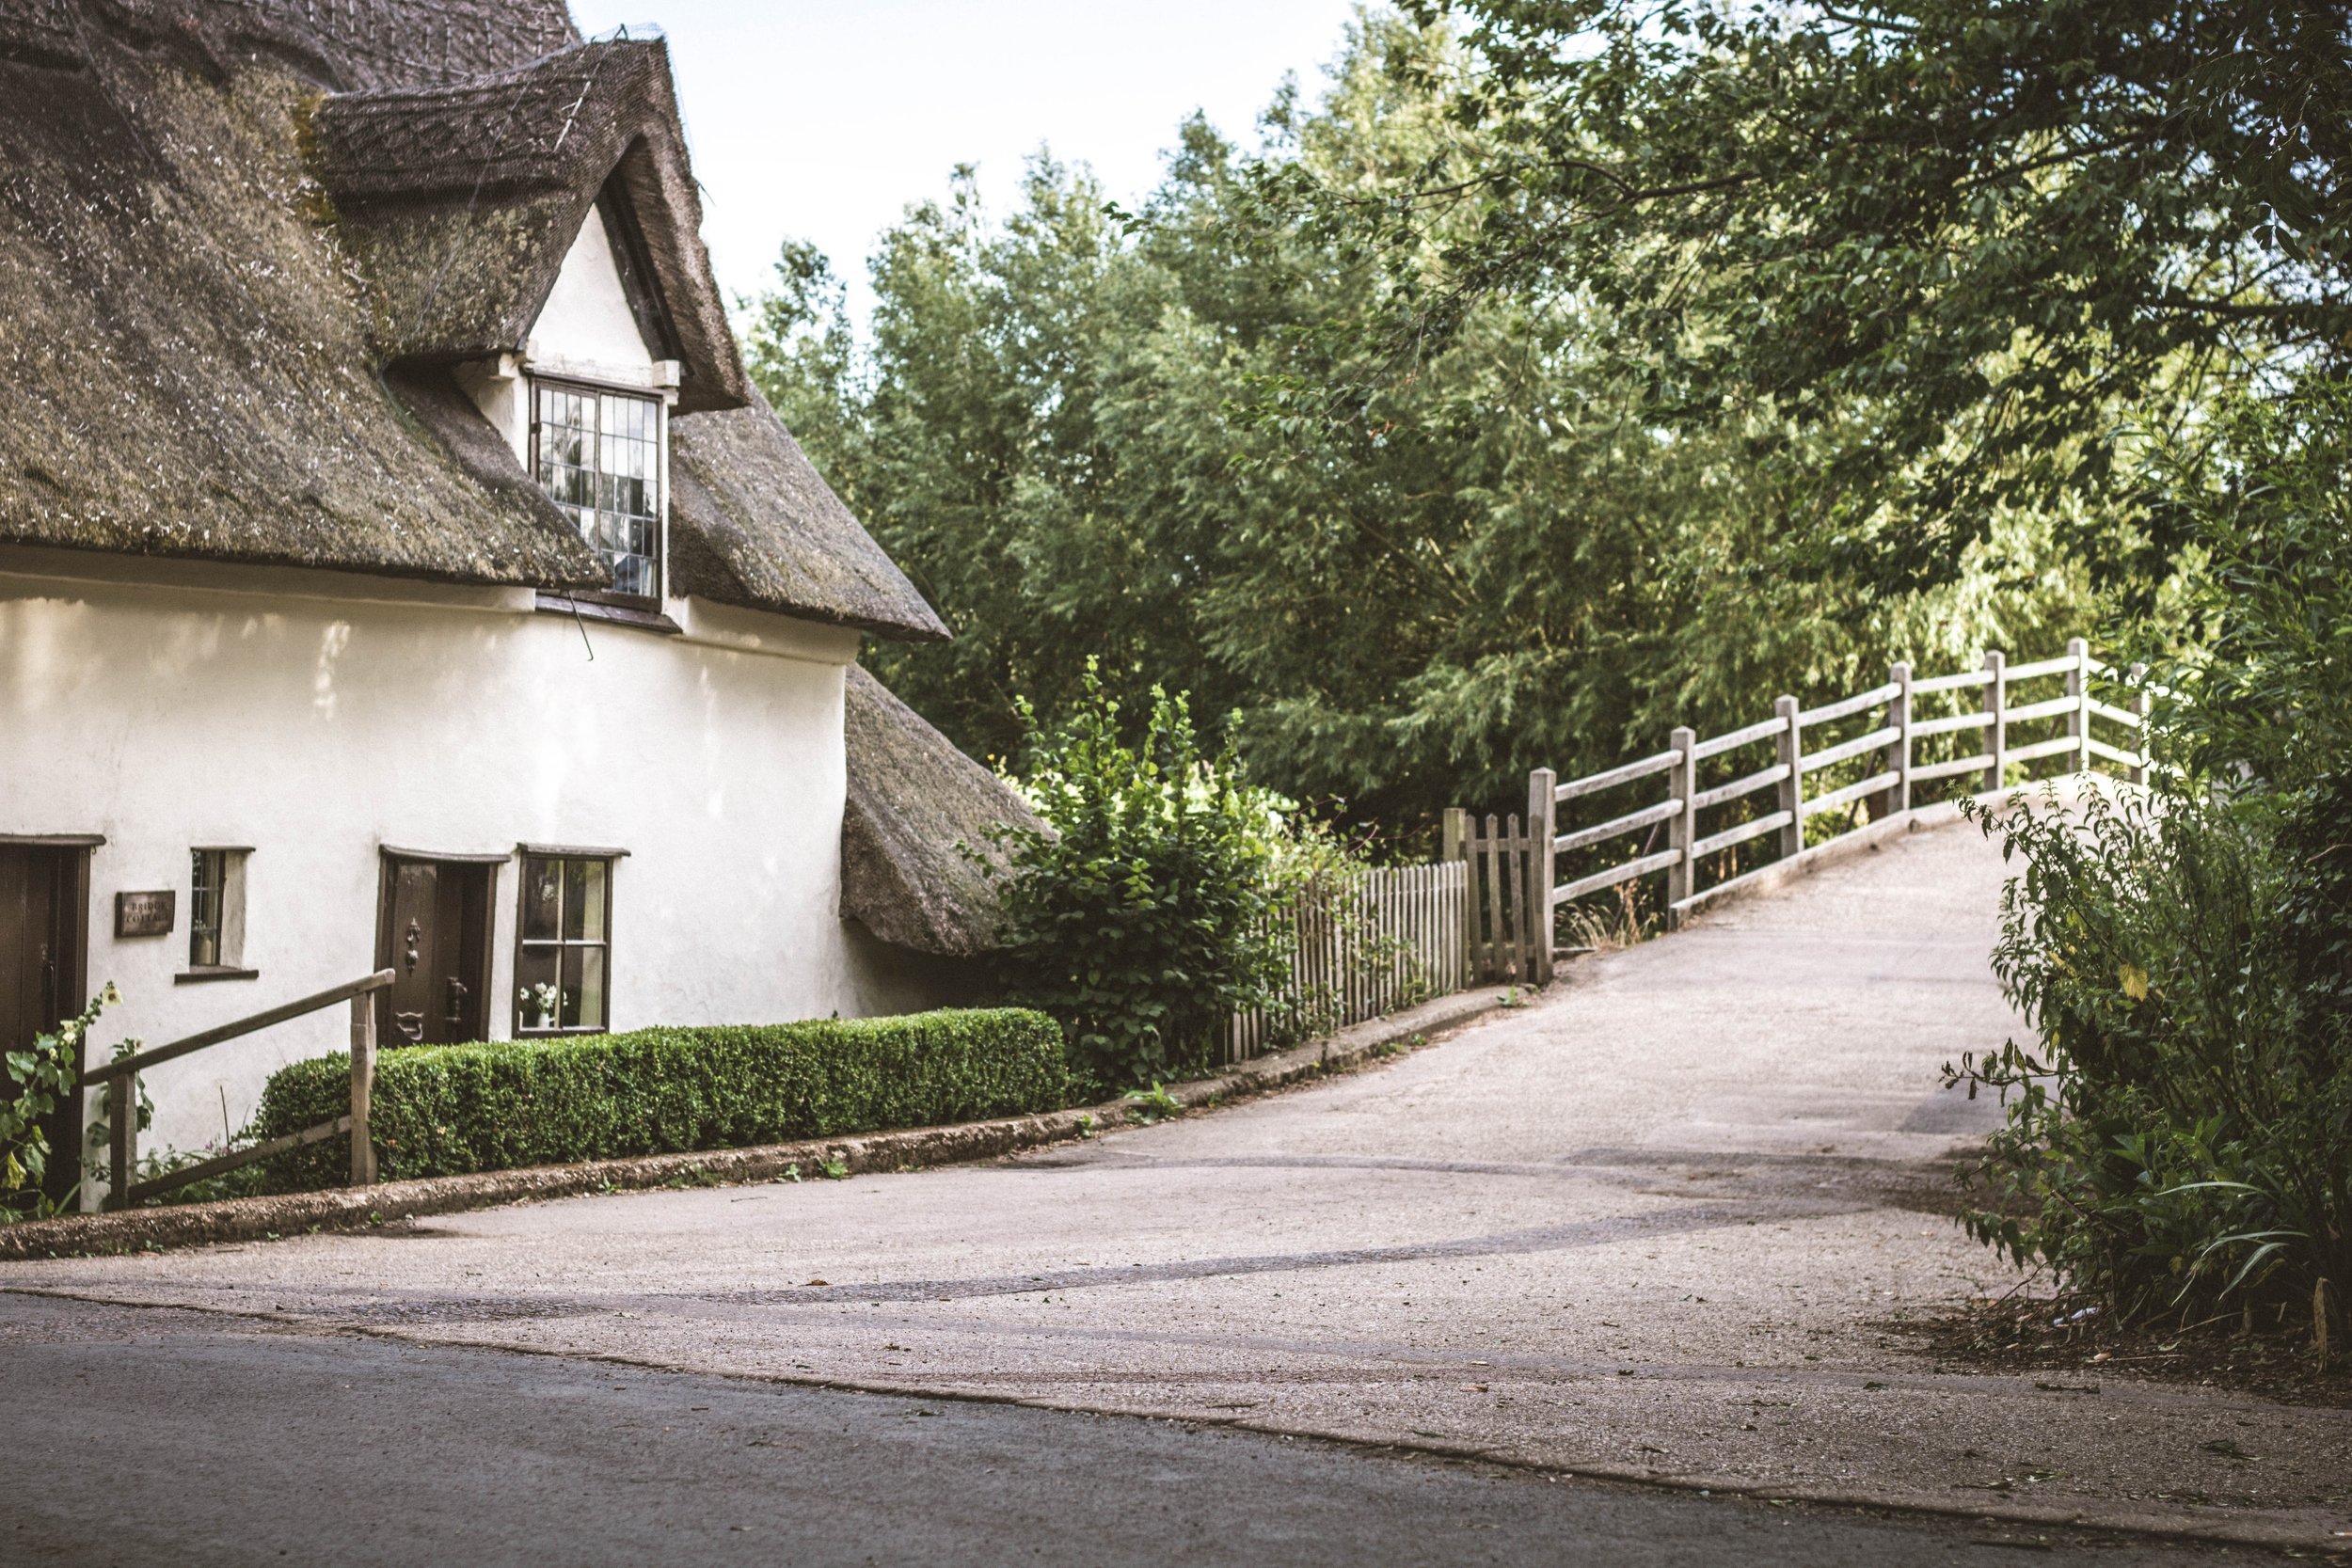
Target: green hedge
[{"x": 441, "y": 1110}]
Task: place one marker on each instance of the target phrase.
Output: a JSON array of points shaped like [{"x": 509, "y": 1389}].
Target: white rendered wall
[
  {"x": 320, "y": 716},
  {"x": 585, "y": 332}
]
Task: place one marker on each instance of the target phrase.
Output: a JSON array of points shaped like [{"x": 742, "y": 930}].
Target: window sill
[
  {"x": 561, "y": 1034},
  {"x": 214, "y": 972},
  {"x": 639, "y": 614}
]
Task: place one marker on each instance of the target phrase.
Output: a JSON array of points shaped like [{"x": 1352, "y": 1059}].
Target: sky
[{"x": 823, "y": 121}]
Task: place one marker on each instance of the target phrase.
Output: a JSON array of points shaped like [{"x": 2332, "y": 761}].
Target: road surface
[{"x": 1679, "y": 1222}]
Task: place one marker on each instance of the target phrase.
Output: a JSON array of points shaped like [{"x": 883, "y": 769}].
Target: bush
[
  {"x": 1138, "y": 916},
  {"x": 2179, "y": 1140},
  {"x": 441, "y": 1110},
  {"x": 2175, "y": 1142},
  {"x": 33, "y": 1082}
]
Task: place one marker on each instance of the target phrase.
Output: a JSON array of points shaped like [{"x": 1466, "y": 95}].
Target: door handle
[
  {"x": 457, "y": 993},
  {"x": 410, "y": 1025}
]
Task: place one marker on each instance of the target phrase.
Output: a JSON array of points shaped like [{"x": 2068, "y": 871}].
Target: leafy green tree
[
  {"x": 1092, "y": 435},
  {"x": 1950, "y": 261},
  {"x": 1138, "y": 916},
  {"x": 2179, "y": 1124}
]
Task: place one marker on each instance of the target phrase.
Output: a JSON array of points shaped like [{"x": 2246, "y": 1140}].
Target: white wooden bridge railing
[
  {"x": 1484, "y": 914},
  {"x": 1886, "y": 755}
]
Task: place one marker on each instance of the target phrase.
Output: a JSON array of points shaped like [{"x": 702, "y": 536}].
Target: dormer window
[{"x": 598, "y": 453}]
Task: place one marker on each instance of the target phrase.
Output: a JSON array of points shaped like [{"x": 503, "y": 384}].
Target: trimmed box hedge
[{"x": 446, "y": 1109}]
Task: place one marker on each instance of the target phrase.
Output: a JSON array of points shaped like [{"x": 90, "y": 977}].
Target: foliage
[
  {"x": 40, "y": 1079},
  {"x": 2181, "y": 1139},
  {"x": 441, "y": 1110},
  {"x": 1136, "y": 915},
  {"x": 1091, "y": 439},
  {"x": 1951, "y": 260}
]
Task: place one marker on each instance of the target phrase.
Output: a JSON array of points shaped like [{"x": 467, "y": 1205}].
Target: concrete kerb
[{"x": 248, "y": 1219}]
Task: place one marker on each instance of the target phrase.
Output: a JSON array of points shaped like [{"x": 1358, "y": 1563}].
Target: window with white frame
[{"x": 597, "y": 454}]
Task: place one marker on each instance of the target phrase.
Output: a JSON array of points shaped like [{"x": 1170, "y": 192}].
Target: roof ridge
[{"x": 343, "y": 44}]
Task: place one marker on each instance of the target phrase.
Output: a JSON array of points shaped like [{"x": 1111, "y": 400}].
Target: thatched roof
[
  {"x": 186, "y": 370},
  {"x": 464, "y": 248},
  {"x": 761, "y": 527},
  {"x": 244, "y": 240},
  {"x": 913, "y": 800},
  {"x": 341, "y": 45}
]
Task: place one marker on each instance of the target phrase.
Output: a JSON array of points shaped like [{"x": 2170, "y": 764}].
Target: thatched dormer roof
[
  {"x": 466, "y": 248},
  {"x": 913, "y": 800},
  {"x": 243, "y": 241}
]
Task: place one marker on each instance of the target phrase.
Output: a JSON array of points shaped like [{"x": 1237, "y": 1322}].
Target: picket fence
[{"x": 1362, "y": 946}]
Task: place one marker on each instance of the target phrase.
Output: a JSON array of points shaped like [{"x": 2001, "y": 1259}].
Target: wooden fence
[
  {"x": 120, "y": 1077},
  {"x": 1874, "y": 752},
  {"x": 1360, "y": 947}
]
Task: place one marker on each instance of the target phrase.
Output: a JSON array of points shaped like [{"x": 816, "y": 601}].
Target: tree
[
  {"x": 1953, "y": 260},
  {"x": 1095, "y": 434}
]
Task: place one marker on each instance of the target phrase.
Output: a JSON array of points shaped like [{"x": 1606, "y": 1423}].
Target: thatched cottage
[{"x": 397, "y": 567}]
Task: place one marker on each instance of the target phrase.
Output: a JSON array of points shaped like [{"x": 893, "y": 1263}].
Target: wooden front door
[
  {"x": 44, "y": 902},
  {"x": 434, "y": 938}
]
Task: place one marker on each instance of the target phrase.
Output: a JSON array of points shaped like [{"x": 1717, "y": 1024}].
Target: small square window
[
  {"x": 563, "y": 958},
  {"x": 216, "y": 915},
  {"x": 597, "y": 454}
]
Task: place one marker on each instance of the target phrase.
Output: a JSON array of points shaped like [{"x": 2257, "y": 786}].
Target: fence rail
[
  {"x": 120, "y": 1076},
  {"x": 1873, "y": 771}
]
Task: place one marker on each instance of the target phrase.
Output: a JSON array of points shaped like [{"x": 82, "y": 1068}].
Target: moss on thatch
[{"x": 188, "y": 367}]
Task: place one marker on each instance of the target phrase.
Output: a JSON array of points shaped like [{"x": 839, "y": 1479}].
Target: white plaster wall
[
  {"x": 318, "y": 716},
  {"x": 585, "y": 332},
  {"x": 586, "y": 329}
]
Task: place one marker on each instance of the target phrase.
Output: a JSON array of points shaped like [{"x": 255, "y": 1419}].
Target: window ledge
[
  {"x": 588, "y": 608},
  {"x": 214, "y": 972}
]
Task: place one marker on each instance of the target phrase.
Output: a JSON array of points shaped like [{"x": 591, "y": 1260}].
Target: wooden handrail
[
  {"x": 121, "y": 1078},
  {"x": 215, "y": 1035},
  {"x": 1886, "y": 789}
]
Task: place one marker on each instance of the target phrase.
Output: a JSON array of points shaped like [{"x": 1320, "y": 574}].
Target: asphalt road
[
  {"x": 139, "y": 1437},
  {"x": 1685, "y": 1219}
]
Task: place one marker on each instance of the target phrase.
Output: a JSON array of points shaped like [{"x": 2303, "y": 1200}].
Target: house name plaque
[{"x": 144, "y": 914}]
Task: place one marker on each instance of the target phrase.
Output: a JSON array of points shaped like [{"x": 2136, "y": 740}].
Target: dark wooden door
[
  {"x": 435, "y": 939},
  {"x": 44, "y": 896}
]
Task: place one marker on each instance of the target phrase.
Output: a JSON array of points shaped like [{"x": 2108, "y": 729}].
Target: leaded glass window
[
  {"x": 562, "y": 970},
  {"x": 599, "y": 460}
]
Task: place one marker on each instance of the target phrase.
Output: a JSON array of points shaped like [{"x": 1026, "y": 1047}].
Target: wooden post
[
  {"x": 1996, "y": 703},
  {"x": 1683, "y": 784},
  {"x": 362, "y": 1088},
  {"x": 2079, "y": 687},
  {"x": 1490, "y": 953},
  {"x": 1897, "y": 798},
  {"x": 1543, "y": 816},
  {"x": 122, "y": 1125},
  {"x": 1792, "y": 788},
  {"x": 1521, "y": 952},
  {"x": 2139, "y": 705},
  {"x": 1457, "y": 833}
]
